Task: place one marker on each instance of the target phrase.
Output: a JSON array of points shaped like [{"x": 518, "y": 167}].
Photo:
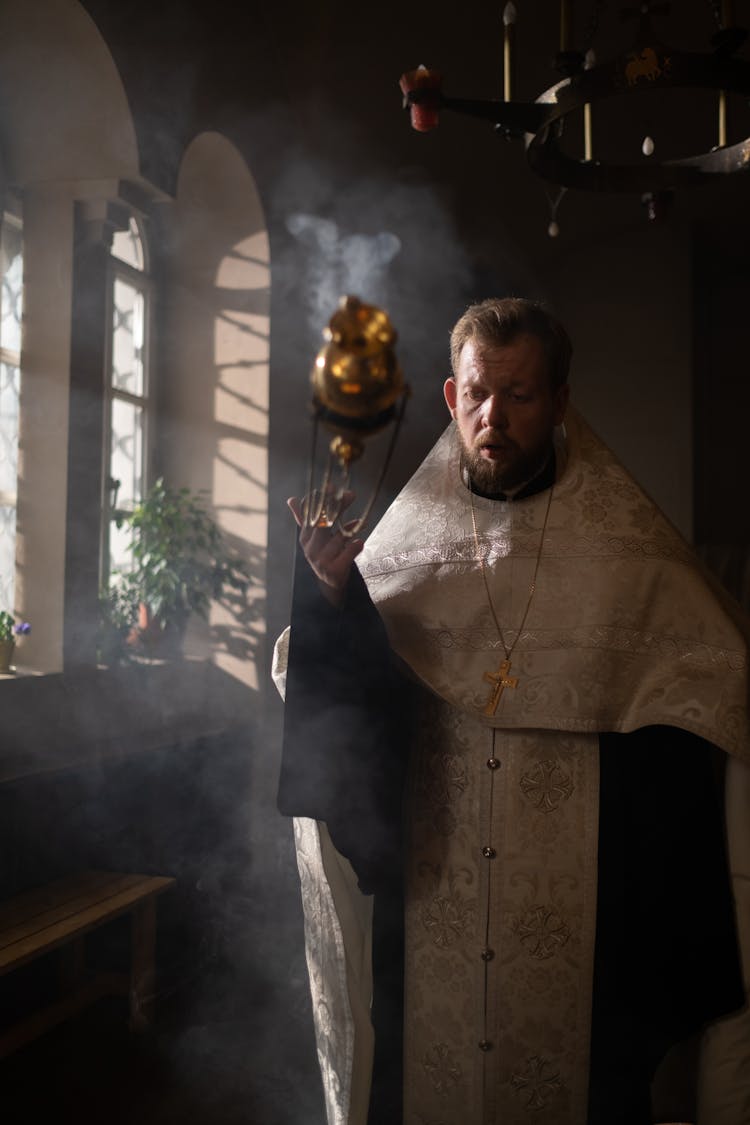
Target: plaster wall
[
  {"x": 65, "y": 134},
  {"x": 43, "y": 437},
  {"x": 214, "y": 379},
  {"x": 65, "y": 115}
]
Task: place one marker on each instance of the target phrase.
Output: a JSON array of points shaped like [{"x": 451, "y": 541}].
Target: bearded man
[{"x": 506, "y": 733}]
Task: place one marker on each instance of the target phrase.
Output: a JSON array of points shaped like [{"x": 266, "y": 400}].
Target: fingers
[
  {"x": 336, "y": 551},
  {"x": 295, "y": 507},
  {"x": 329, "y": 552},
  {"x": 337, "y": 503}
]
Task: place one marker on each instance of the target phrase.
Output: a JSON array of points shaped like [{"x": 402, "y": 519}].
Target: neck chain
[{"x": 502, "y": 679}]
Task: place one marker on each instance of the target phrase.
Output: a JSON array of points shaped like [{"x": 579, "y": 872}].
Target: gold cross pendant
[{"x": 499, "y": 680}]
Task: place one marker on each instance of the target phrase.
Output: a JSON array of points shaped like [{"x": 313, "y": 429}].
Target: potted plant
[
  {"x": 8, "y": 633},
  {"x": 180, "y": 563},
  {"x": 118, "y": 613}
]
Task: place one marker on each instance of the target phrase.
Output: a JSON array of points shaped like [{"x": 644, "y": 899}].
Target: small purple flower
[{"x": 22, "y": 629}]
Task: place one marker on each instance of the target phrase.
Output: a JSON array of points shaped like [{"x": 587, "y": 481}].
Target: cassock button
[
  {"x": 485, "y": 1045},
  {"x": 489, "y": 853},
  {"x": 488, "y": 954},
  {"x": 493, "y": 763}
]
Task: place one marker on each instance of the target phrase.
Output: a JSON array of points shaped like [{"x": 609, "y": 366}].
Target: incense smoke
[{"x": 341, "y": 263}]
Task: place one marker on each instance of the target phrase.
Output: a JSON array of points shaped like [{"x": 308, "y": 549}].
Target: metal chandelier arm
[{"x": 649, "y": 67}]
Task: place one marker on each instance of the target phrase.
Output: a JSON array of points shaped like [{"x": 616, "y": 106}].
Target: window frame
[
  {"x": 11, "y": 215},
  {"x": 141, "y": 280}
]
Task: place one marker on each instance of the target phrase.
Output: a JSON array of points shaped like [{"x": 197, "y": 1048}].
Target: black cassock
[{"x": 666, "y": 957}]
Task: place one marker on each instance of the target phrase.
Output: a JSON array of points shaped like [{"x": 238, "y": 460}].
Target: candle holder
[
  {"x": 648, "y": 65},
  {"x": 358, "y": 390},
  {"x": 422, "y": 94}
]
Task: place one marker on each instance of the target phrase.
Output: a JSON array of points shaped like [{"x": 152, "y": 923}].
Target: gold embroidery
[
  {"x": 533, "y": 907},
  {"x": 686, "y": 650},
  {"x": 443, "y": 781},
  {"x": 547, "y": 786},
  {"x": 464, "y": 551},
  {"x": 536, "y": 1083},
  {"x": 445, "y": 777},
  {"x": 542, "y": 932},
  {"x": 614, "y": 592},
  {"x": 441, "y": 1068},
  {"x": 447, "y": 918}
]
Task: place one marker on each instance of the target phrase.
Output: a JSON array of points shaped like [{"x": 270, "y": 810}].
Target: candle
[
  {"x": 565, "y": 25},
  {"x": 727, "y": 20},
  {"x": 722, "y": 118},
  {"x": 509, "y": 23},
  {"x": 588, "y": 146},
  {"x": 424, "y": 114}
]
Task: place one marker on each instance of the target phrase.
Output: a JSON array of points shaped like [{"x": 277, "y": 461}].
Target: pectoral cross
[{"x": 500, "y": 680}]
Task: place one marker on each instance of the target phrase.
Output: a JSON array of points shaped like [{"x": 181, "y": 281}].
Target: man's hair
[{"x": 500, "y": 320}]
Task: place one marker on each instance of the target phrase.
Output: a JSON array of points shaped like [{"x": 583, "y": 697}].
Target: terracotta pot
[
  {"x": 6, "y": 655},
  {"x": 156, "y": 638}
]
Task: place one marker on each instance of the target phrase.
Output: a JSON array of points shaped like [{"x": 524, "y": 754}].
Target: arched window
[
  {"x": 127, "y": 410},
  {"x": 11, "y": 310}
]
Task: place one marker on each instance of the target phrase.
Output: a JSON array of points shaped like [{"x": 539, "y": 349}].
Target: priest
[{"x": 510, "y": 730}]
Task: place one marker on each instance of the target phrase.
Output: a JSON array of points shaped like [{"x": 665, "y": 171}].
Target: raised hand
[{"x": 329, "y": 553}]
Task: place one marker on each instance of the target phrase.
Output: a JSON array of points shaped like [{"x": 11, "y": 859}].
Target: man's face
[{"x": 505, "y": 410}]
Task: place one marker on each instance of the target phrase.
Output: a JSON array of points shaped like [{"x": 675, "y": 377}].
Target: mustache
[{"x": 493, "y": 437}]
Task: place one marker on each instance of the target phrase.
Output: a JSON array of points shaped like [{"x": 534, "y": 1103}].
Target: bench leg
[{"x": 142, "y": 972}]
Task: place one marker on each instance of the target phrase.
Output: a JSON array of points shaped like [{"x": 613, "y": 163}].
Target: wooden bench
[{"x": 59, "y": 916}]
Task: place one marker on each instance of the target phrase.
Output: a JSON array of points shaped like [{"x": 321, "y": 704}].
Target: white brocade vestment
[
  {"x": 624, "y": 631},
  {"x": 500, "y": 919}
]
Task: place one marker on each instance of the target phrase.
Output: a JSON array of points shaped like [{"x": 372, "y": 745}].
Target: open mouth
[{"x": 493, "y": 449}]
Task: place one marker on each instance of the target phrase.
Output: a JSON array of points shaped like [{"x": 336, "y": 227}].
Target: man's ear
[{"x": 451, "y": 394}]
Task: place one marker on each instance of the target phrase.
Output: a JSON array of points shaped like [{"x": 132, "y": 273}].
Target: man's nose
[{"x": 495, "y": 417}]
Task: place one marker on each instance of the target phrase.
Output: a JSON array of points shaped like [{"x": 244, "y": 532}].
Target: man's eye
[{"x": 475, "y": 395}]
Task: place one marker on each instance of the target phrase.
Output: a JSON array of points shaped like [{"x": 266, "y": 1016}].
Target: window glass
[
  {"x": 11, "y": 313},
  {"x": 119, "y": 549},
  {"x": 127, "y": 395},
  {"x": 11, "y": 301},
  {"x": 7, "y": 555},
  {"x": 126, "y": 464},
  {"x": 10, "y": 387},
  {"x": 127, "y": 338},
  {"x": 127, "y": 246}
]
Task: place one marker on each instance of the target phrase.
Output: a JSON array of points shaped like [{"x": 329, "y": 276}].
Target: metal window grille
[
  {"x": 11, "y": 316},
  {"x": 127, "y": 394}
]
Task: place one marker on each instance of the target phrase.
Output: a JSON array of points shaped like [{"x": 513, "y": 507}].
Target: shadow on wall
[{"x": 215, "y": 379}]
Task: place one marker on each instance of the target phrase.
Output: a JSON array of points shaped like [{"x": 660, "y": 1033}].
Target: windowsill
[
  {"x": 21, "y": 670},
  {"x": 64, "y": 720}
]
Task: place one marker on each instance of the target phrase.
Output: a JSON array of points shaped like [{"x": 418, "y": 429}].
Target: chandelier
[{"x": 648, "y": 65}]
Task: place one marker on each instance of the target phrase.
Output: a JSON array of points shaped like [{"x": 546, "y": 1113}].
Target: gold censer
[{"x": 358, "y": 390}]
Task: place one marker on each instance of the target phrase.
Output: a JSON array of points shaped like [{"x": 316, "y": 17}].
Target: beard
[{"x": 512, "y": 468}]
